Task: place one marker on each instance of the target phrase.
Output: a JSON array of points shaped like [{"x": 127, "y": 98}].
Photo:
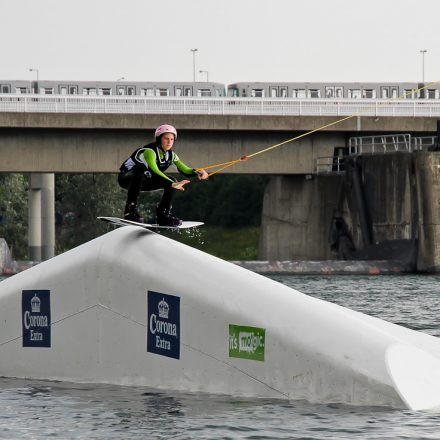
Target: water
[{"x": 40, "y": 409}]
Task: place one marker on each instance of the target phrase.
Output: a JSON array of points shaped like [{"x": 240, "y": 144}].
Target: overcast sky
[{"x": 237, "y": 40}]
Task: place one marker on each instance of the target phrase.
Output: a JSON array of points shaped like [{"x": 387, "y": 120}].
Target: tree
[
  {"x": 14, "y": 213},
  {"x": 80, "y": 199},
  {"x": 225, "y": 200}
]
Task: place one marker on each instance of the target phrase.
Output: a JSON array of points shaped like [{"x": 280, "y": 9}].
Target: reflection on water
[
  {"x": 408, "y": 300},
  {"x": 36, "y": 409},
  {"x": 39, "y": 409}
]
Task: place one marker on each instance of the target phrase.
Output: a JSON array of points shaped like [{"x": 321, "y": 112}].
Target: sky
[{"x": 236, "y": 40}]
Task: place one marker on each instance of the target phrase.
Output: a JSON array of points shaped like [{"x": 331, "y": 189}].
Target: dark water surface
[{"x": 40, "y": 409}]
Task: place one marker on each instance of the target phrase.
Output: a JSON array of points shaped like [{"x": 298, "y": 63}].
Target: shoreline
[{"x": 290, "y": 267}]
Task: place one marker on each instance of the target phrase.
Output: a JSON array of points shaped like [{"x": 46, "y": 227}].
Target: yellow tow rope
[{"x": 222, "y": 166}]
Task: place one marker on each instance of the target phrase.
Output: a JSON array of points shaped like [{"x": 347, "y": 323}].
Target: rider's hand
[
  {"x": 179, "y": 185},
  {"x": 202, "y": 174}
]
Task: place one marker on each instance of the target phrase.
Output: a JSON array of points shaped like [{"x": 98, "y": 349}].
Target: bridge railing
[
  {"x": 424, "y": 142},
  {"x": 390, "y": 143},
  {"x": 218, "y": 106},
  {"x": 330, "y": 165}
]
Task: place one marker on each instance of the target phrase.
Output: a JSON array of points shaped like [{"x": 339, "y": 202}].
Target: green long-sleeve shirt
[{"x": 151, "y": 162}]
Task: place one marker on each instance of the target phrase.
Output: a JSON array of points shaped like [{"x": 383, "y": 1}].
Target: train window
[
  {"x": 130, "y": 91},
  {"x": 298, "y": 93},
  {"x": 432, "y": 94},
  {"x": 63, "y": 90},
  {"x": 188, "y": 91},
  {"x": 104, "y": 91},
  {"x": 389, "y": 92},
  {"x": 314, "y": 93},
  {"x": 369, "y": 93},
  {"x": 203, "y": 92},
  {"x": 73, "y": 90},
  {"x": 5, "y": 88},
  {"x": 283, "y": 92},
  {"x": 46, "y": 90},
  {"x": 89, "y": 91},
  {"x": 147, "y": 92},
  {"x": 178, "y": 91},
  {"x": 329, "y": 92},
  {"x": 120, "y": 90},
  {"x": 234, "y": 92},
  {"x": 334, "y": 92},
  {"x": 354, "y": 93},
  {"x": 162, "y": 92},
  {"x": 257, "y": 93},
  {"x": 273, "y": 92},
  {"x": 21, "y": 90},
  {"x": 408, "y": 94}
]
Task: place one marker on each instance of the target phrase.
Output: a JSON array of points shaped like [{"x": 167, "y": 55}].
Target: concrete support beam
[
  {"x": 34, "y": 219},
  {"x": 297, "y": 215},
  {"x": 47, "y": 216},
  {"x": 41, "y": 216},
  {"x": 428, "y": 185},
  {"x": 145, "y": 122},
  {"x": 95, "y": 151}
]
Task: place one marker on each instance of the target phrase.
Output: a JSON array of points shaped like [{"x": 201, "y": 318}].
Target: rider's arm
[
  {"x": 182, "y": 168},
  {"x": 150, "y": 159}
]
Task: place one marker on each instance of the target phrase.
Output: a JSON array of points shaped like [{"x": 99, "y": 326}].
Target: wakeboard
[{"x": 122, "y": 222}]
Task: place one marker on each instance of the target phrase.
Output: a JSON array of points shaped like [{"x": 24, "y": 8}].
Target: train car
[
  {"x": 15, "y": 86},
  {"x": 115, "y": 88},
  {"x": 295, "y": 90},
  {"x": 356, "y": 90}
]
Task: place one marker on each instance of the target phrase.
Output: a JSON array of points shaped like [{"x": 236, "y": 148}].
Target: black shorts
[{"x": 147, "y": 182}]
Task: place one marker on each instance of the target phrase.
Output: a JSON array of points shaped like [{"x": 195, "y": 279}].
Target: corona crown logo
[
  {"x": 163, "y": 309},
  {"x": 35, "y": 304}
]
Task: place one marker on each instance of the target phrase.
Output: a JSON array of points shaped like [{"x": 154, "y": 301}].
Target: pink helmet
[{"x": 165, "y": 129}]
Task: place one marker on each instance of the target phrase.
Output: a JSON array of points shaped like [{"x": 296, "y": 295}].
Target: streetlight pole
[
  {"x": 194, "y": 63},
  {"x": 38, "y": 72},
  {"x": 207, "y": 74},
  {"x": 423, "y": 51}
]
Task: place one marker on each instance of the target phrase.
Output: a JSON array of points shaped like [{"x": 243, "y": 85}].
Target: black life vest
[{"x": 137, "y": 158}]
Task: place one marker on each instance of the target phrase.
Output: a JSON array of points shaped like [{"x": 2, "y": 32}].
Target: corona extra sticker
[
  {"x": 163, "y": 327},
  {"x": 35, "y": 306}
]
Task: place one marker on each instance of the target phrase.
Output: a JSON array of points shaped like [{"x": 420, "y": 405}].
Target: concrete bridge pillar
[
  {"x": 34, "y": 217},
  {"x": 41, "y": 216},
  {"x": 428, "y": 186},
  {"x": 296, "y": 218}
]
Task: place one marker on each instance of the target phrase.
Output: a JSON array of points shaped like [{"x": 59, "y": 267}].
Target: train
[{"x": 291, "y": 90}]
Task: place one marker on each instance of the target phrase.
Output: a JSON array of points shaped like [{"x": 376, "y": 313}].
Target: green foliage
[
  {"x": 229, "y": 205},
  {"x": 14, "y": 213},
  {"x": 226, "y": 243},
  {"x": 81, "y": 198},
  {"x": 225, "y": 200}
]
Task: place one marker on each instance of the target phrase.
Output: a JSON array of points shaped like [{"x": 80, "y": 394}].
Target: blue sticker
[
  {"x": 163, "y": 330},
  {"x": 35, "y": 307}
]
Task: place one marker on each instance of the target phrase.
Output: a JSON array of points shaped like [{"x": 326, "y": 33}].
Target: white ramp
[{"x": 135, "y": 308}]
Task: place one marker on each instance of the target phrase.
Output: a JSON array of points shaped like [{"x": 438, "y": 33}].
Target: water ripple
[{"x": 40, "y": 410}]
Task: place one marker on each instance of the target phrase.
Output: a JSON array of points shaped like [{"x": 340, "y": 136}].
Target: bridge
[
  {"x": 94, "y": 134},
  {"x": 58, "y": 134}
]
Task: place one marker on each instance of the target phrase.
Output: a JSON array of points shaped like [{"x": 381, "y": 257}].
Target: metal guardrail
[
  {"x": 218, "y": 106},
  {"x": 382, "y": 144},
  {"x": 330, "y": 165},
  {"x": 423, "y": 142},
  {"x": 391, "y": 143}
]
